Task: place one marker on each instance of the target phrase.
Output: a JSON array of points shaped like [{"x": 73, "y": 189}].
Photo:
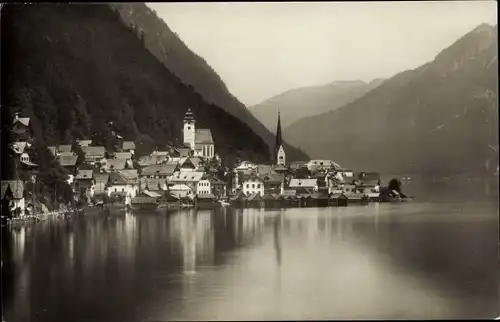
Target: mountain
[
  {"x": 193, "y": 70},
  {"x": 301, "y": 102},
  {"x": 73, "y": 68},
  {"x": 439, "y": 118}
]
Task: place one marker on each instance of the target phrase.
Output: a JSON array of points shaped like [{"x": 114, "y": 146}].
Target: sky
[{"x": 263, "y": 49}]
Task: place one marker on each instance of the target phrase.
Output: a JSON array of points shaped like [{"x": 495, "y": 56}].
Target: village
[{"x": 188, "y": 176}]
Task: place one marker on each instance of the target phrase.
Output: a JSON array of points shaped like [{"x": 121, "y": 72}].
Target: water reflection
[{"x": 422, "y": 259}]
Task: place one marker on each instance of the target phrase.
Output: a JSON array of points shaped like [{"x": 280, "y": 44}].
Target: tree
[{"x": 77, "y": 149}]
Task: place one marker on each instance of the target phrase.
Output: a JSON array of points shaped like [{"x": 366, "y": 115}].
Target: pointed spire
[{"x": 278, "y": 136}]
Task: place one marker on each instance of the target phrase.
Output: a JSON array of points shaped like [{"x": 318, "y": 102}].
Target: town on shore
[{"x": 192, "y": 175}]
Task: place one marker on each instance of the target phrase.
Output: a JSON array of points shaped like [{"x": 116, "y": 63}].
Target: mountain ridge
[
  {"x": 301, "y": 102},
  {"x": 437, "y": 118},
  {"x": 192, "y": 69}
]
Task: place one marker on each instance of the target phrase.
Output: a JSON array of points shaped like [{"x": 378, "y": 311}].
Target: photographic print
[{"x": 191, "y": 161}]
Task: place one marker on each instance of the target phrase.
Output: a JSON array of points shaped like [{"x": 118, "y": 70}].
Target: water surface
[{"x": 436, "y": 257}]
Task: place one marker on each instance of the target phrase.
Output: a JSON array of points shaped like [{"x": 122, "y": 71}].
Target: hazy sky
[{"x": 263, "y": 49}]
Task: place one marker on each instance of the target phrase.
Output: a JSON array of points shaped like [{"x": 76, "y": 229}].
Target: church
[
  {"x": 198, "y": 140},
  {"x": 279, "y": 151}
]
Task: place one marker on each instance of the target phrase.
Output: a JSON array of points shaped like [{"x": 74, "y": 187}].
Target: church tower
[
  {"x": 279, "y": 151},
  {"x": 189, "y": 129}
]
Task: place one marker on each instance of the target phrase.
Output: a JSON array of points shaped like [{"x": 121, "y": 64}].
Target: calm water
[{"x": 436, "y": 257}]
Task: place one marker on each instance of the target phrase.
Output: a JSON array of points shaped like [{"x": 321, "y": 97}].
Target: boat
[
  {"x": 186, "y": 205},
  {"x": 224, "y": 203}
]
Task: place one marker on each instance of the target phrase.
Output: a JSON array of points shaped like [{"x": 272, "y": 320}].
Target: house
[
  {"x": 68, "y": 162},
  {"x": 181, "y": 190},
  {"x": 123, "y": 155},
  {"x": 295, "y": 165},
  {"x": 83, "y": 143},
  {"x": 255, "y": 200},
  {"x": 160, "y": 156},
  {"x": 339, "y": 200},
  {"x": 158, "y": 185},
  {"x": 147, "y": 199},
  {"x": 206, "y": 201},
  {"x": 315, "y": 165},
  {"x": 272, "y": 201},
  {"x": 64, "y": 148},
  {"x": 188, "y": 178},
  {"x": 272, "y": 183},
  {"x": 203, "y": 187},
  {"x": 94, "y": 153},
  {"x": 158, "y": 171},
  {"x": 128, "y": 146},
  {"x": 200, "y": 141},
  {"x": 189, "y": 164},
  {"x": 252, "y": 184},
  {"x": 13, "y": 197},
  {"x": 185, "y": 152},
  {"x": 304, "y": 186},
  {"x": 21, "y": 128},
  {"x": 145, "y": 161},
  {"x": 115, "y": 164},
  {"x": 238, "y": 200},
  {"x": 347, "y": 174},
  {"x": 218, "y": 187},
  {"x": 350, "y": 189},
  {"x": 245, "y": 165},
  {"x": 122, "y": 184},
  {"x": 263, "y": 169},
  {"x": 84, "y": 180},
  {"x": 18, "y": 147},
  {"x": 319, "y": 199},
  {"x": 100, "y": 183}
]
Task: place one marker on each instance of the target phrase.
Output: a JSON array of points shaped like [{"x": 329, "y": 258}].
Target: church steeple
[
  {"x": 278, "y": 136},
  {"x": 279, "y": 152}
]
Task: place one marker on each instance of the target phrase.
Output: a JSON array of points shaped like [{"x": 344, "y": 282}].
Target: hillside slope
[
  {"x": 193, "y": 70},
  {"x": 307, "y": 101},
  {"x": 439, "y": 118},
  {"x": 75, "y": 67}
]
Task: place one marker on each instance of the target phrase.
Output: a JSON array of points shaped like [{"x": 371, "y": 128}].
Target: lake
[{"x": 434, "y": 257}]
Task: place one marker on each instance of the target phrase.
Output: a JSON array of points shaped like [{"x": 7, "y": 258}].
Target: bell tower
[{"x": 189, "y": 129}]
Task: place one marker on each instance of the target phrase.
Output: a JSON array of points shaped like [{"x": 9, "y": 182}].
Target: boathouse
[{"x": 338, "y": 200}]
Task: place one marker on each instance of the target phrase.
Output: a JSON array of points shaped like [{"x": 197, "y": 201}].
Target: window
[
  {"x": 258, "y": 186},
  {"x": 189, "y": 128},
  {"x": 123, "y": 189},
  {"x": 248, "y": 186},
  {"x": 253, "y": 186},
  {"x": 116, "y": 190}
]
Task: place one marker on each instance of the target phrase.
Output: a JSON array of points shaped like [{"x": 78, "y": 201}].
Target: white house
[
  {"x": 121, "y": 184},
  {"x": 181, "y": 190},
  {"x": 200, "y": 141},
  {"x": 203, "y": 187},
  {"x": 252, "y": 184},
  {"x": 190, "y": 179}
]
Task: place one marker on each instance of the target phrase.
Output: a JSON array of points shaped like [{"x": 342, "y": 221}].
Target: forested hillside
[
  {"x": 73, "y": 68},
  {"x": 165, "y": 45}
]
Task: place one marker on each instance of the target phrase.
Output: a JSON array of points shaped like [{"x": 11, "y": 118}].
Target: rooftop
[{"x": 203, "y": 136}]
